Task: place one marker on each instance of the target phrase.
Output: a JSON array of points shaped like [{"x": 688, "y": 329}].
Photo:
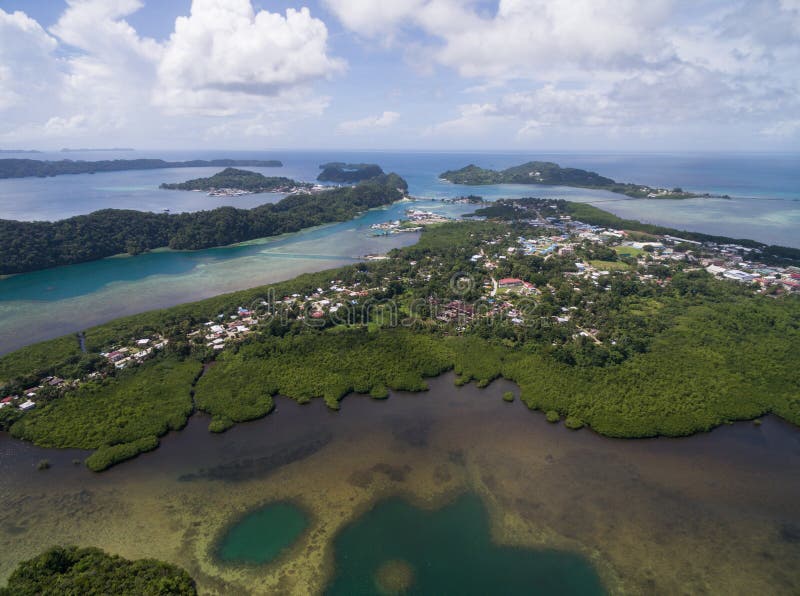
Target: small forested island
[
  {"x": 631, "y": 330},
  {"x": 551, "y": 174},
  {"x": 97, "y": 149},
  {"x": 232, "y": 180},
  {"x": 26, "y": 168},
  {"x": 28, "y": 246},
  {"x": 348, "y": 173},
  {"x": 73, "y": 571}
]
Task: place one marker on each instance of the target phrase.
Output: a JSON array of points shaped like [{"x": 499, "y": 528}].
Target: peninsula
[
  {"x": 232, "y": 181},
  {"x": 28, "y": 246},
  {"x": 28, "y": 168},
  {"x": 551, "y": 174},
  {"x": 348, "y": 173},
  {"x": 632, "y": 333}
]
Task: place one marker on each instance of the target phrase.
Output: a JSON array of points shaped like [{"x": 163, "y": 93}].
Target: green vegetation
[
  {"x": 628, "y": 251},
  {"x": 120, "y": 417},
  {"x": 348, "y": 173},
  {"x": 27, "y": 246},
  {"x": 43, "y": 464},
  {"x": 573, "y": 423},
  {"x": 551, "y": 174},
  {"x": 661, "y": 358},
  {"x": 73, "y": 571},
  {"x": 109, "y": 455},
  {"x": 327, "y": 365},
  {"x": 610, "y": 265},
  {"x": 240, "y": 180},
  {"x": 534, "y": 172},
  {"x": 24, "y": 168},
  {"x": 508, "y": 396}
]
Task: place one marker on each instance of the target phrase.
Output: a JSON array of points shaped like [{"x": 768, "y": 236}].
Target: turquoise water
[
  {"x": 263, "y": 535},
  {"x": 448, "y": 551},
  {"x": 47, "y": 304},
  {"x": 54, "y": 302}
]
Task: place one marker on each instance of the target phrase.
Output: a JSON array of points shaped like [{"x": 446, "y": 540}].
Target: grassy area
[
  {"x": 610, "y": 265},
  {"x": 628, "y": 251}
]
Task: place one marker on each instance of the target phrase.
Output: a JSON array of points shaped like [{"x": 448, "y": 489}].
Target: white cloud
[
  {"x": 27, "y": 64},
  {"x": 618, "y": 64},
  {"x": 783, "y": 128},
  {"x": 94, "y": 75},
  {"x": 224, "y": 50},
  {"x": 474, "y": 121},
  {"x": 369, "y": 124},
  {"x": 372, "y": 19}
]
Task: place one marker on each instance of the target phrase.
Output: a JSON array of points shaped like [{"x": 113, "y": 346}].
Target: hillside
[
  {"x": 551, "y": 174},
  {"x": 233, "y": 178}
]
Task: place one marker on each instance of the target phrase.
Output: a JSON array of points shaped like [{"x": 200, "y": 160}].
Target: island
[
  {"x": 28, "y": 168},
  {"x": 73, "y": 570},
  {"x": 348, "y": 173},
  {"x": 551, "y": 174},
  {"x": 28, "y": 246},
  {"x": 606, "y": 323},
  {"x": 97, "y": 150},
  {"x": 234, "y": 182}
]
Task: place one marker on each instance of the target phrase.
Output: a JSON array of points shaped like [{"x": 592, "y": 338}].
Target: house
[
  {"x": 115, "y": 356},
  {"x": 511, "y": 282},
  {"x": 737, "y": 275},
  {"x": 28, "y": 405}
]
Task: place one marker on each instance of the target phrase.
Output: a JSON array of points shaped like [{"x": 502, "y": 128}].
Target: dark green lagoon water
[
  {"x": 263, "y": 535},
  {"x": 448, "y": 551}
]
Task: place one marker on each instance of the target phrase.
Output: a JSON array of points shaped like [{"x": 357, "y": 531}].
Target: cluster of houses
[
  {"x": 27, "y": 399},
  {"x": 216, "y": 334},
  {"x": 735, "y": 268},
  {"x": 416, "y": 220},
  {"x": 139, "y": 351}
]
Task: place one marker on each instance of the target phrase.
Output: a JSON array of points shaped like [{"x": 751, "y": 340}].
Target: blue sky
[{"x": 416, "y": 74}]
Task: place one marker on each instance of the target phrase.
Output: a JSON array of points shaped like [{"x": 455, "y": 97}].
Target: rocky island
[
  {"x": 547, "y": 173},
  {"x": 348, "y": 173}
]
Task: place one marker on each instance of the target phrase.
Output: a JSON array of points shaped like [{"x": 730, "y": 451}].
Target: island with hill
[
  {"x": 234, "y": 182},
  {"x": 547, "y": 173},
  {"x": 348, "y": 173},
  {"x": 97, "y": 150},
  {"x": 29, "y": 246},
  {"x": 606, "y": 323},
  {"x": 29, "y": 168}
]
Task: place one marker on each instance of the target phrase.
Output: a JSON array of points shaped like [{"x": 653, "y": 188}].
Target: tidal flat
[{"x": 714, "y": 513}]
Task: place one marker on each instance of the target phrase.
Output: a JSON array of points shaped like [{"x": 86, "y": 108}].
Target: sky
[{"x": 589, "y": 75}]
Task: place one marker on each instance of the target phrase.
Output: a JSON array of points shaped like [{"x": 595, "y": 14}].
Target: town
[{"x": 588, "y": 260}]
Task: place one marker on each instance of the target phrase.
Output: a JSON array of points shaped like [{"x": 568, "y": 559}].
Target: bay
[{"x": 713, "y": 513}]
